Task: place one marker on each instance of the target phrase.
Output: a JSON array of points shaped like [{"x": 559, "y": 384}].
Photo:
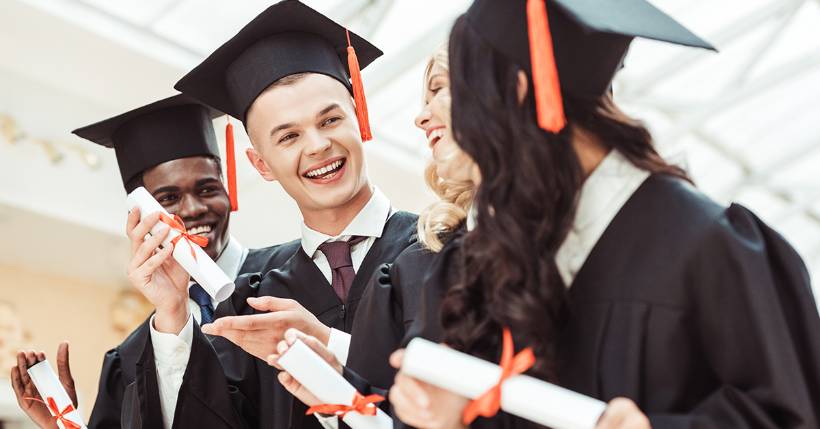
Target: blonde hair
[{"x": 455, "y": 198}]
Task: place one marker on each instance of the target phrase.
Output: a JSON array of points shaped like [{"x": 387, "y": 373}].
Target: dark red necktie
[{"x": 338, "y": 256}]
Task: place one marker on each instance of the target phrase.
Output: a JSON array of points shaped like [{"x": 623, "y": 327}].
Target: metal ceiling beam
[{"x": 725, "y": 36}]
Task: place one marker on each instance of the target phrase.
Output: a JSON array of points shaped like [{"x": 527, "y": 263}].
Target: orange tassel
[
  {"x": 358, "y": 91},
  {"x": 548, "y": 102},
  {"x": 231, "y": 161}
]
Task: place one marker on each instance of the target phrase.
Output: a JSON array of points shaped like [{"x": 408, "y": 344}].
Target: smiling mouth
[
  {"x": 435, "y": 136},
  {"x": 327, "y": 171},
  {"x": 201, "y": 230}
]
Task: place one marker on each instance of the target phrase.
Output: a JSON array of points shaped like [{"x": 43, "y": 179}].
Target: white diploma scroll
[
  {"x": 521, "y": 395},
  {"x": 49, "y": 386},
  {"x": 202, "y": 268},
  {"x": 309, "y": 369}
]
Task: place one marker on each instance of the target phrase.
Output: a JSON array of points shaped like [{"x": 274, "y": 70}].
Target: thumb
[
  {"x": 271, "y": 303},
  {"x": 396, "y": 358},
  {"x": 64, "y": 372}
]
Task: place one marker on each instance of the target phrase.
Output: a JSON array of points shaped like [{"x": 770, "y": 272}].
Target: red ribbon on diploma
[
  {"x": 177, "y": 224},
  {"x": 488, "y": 404},
  {"x": 364, "y": 405},
  {"x": 59, "y": 415}
]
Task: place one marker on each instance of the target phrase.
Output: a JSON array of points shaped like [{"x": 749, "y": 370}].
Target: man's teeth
[
  {"x": 197, "y": 230},
  {"x": 435, "y": 135},
  {"x": 320, "y": 171}
]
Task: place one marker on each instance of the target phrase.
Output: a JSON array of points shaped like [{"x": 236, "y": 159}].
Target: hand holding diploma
[
  {"x": 291, "y": 384},
  {"x": 28, "y": 397},
  {"x": 422, "y": 405},
  {"x": 153, "y": 272},
  {"x": 324, "y": 382}
]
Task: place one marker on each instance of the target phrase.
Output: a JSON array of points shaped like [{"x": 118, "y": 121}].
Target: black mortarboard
[
  {"x": 172, "y": 128},
  {"x": 287, "y": 38},
  {"x": 582, "y": 44}
]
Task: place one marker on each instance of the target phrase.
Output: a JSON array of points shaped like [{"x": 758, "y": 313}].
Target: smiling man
[
  {"x": 286, "y": 75},
  {"x": 169, "y": 147}
]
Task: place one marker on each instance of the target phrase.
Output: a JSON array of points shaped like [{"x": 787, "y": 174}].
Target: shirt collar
[
  {"x": 232, "y": 257},
  {"x": 606, "y": 190},
  {"x": 369, "y": 222}
]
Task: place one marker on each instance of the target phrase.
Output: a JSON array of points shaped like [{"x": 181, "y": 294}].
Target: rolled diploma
[
  {"x": 309, "y": 369},
  {"x": 522, "y": 395},
  {"x": 203, "y": 269},
  {"x": 48, "y": 384}
]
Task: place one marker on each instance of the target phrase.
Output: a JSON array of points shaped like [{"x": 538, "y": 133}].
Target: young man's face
[
  {"x": 192, "y": 188},
  {"x": 305, "y": 135}
]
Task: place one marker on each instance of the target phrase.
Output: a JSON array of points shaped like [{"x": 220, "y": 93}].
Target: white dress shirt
[
  {"x": 368, "y": 223},
  {"x": 603, "y": 194},
  {"x": 172, "y": 352}
]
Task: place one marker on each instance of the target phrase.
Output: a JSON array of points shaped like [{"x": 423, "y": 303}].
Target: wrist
[{"x": 171, "y": 321}]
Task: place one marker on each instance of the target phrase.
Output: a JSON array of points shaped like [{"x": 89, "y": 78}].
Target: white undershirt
[
  {"x": 602, "y": 196},
  {"x": 172, "y": 352}
]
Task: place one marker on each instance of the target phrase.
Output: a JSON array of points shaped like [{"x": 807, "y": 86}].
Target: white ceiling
[{"x": 745, "y": 122}]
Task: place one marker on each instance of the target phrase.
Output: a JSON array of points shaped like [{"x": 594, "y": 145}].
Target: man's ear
[
  {"x": 260, "y": 165},
  {"x": 523, "y": 86}
]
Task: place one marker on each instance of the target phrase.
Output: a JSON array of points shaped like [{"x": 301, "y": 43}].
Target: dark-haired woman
[{"x": 629, "y": 284}]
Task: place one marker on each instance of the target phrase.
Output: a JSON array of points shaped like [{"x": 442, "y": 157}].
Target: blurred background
[{"x": 744, "y": 122}]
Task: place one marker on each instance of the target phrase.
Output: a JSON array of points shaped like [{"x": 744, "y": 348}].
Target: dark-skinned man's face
[{"x": 192, "y": 188}]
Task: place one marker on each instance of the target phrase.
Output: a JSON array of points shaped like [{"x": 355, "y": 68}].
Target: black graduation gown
[
  {"x": 119, "y": 363},
  {"x": 387, "y": 308},
  {"x": 224, "y": 387},
  {"x": 701, "y": 314}
]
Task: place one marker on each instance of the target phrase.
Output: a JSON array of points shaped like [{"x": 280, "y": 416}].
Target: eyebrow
[
  {"x": 166, "y": 189},
  {"x": 281, "y": 127},
  {"x": 174, "y": 188},
  {"x": 328, "y": 109}
]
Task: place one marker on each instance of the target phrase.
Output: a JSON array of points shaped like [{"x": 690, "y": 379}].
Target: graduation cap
[
  {"x": 172, "y": 128},
  {"x": 287, "y": 38},
  {"x": 572, "y": 47}
]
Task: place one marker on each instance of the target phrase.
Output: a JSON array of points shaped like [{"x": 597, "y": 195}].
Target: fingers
[
  {"x": 407, "y": 410},
  {"x": 132, "y": 221},
  {"x": 623, "y": 413},
  {"x": 273, "y": 360},
  {"x": 291, "y": 335},
  {"x": 251, "y": 322},
  {"x": 64, "y": 372},
  {"x": 143, "y": 274},
  {"x": 414, "y": 390},
  {"x": 17, "y": 384},
  {"x": 272, "y": 303},
  {"x": 146, "y": 249},
  {"x": 396, "y": 358},
  {"x": 288, "y": 382},
  {"x": 138, "y": 233}
]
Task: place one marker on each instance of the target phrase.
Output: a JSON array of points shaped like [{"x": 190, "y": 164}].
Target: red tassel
[
  {"x": 548, "y": 102},
  {"x": 358, "y": 91},
  {"x": 231, "y": 161}
]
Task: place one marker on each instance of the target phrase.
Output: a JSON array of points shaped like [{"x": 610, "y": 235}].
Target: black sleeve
[
  {"x": 217, "y": 385},
  {"x": 107, "y": 407},
  {"x": 758, "y": 325},
  {"x": 377, "y": 329}
]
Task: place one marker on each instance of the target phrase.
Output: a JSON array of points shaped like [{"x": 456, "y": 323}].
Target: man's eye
[
  {"x": 288, "y": 137},
  {"x": 330, "y": 121},
  {"x": 435, "y": 90},
  {"x": 166, "y": 199},
  {"x": 207, "y": 191}
]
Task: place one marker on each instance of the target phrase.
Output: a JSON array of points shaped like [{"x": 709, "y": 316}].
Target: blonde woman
[{"x": 390, "y": 302}]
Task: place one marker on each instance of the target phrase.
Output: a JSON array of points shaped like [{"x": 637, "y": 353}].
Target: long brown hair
[{"x": 526, "y": 202}]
